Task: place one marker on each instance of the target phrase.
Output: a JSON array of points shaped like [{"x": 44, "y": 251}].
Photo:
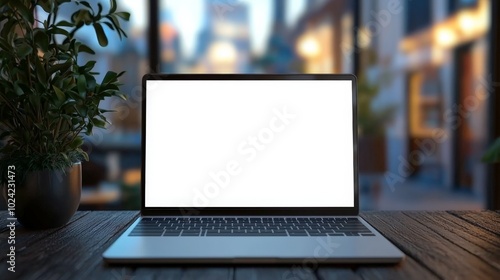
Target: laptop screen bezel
[{"x": 250, "y": 211}]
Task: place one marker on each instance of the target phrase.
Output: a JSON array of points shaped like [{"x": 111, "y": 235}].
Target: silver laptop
[{"x": 250, "y": 169}]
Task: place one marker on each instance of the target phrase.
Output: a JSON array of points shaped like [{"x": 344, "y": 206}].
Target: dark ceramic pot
[{"x": 48, "y": 199}]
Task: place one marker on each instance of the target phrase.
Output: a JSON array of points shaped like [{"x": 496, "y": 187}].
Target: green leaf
[
  {"x": 106, "y": 111},
  {"x": 86, "y": 4},
  {"x": 64, "y": 23},
  {"x": 493, "y": 153},
  {"x": 91, "y": 83},
  {"x": 77, "y": 143},
  {"x": 114, "y": 20},
  {"x": 59, "y": 2},
  {"x": 101, "y": 36},
  {"x": 74, "y": 95},
  {"x": 81, "y": 110},
  {"x": 109, "y": 25},
  {"x": 7, "y": 28},
  {"x": 24, "y": 49},
  {"x": 68, "y": 104},
  {"x": 84, "y": 154},
  {"x": 113, "y": 7},
  {"x": 59, "y": 93},
  {"x": 4, "y": 45},
  {"x": 102, "y": 117},
  {"x": 46, "y": 5},
  {"x": 123, "y": 15},
  {"x": 58, "y": 31},
  {"x": 41, "y": 39},
  {"x": 81, "y": 84},
  {"x": 19, "y": 91},
  {"x": 89, "y": 65},
  {"x": 99, "y": 5},
  {"x": 64, "y": 155},
  {"x": 99, "y": 123},
  {"x": 22, "y": 10},
  {"x": 40, "y": 72},
  {"x": 39, "y": 126},
  {"x": 109, "y": 77},
  {"x": 89, "y": 128},
  {"x": 86, "y": 49},
  {"x": 63, "y": 67},
  {"x": 82, "y": 16}
]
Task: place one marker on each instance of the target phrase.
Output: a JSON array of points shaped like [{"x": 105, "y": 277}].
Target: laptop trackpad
[{"x": 240, "y": 249}]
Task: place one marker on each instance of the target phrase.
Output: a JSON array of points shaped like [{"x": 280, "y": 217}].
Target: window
[
  {"x": 455, "y": 5},
  {"x": 418, "y": 15}
]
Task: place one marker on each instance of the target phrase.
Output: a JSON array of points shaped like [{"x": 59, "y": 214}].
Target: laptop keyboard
[{"x": 235, "y": 226}]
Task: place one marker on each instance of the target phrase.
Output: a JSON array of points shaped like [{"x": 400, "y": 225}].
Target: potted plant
[
  {"x": 371, "y": 140},
  {"x": 371, "y": 128},
  {"x": 48, "y": 98}
]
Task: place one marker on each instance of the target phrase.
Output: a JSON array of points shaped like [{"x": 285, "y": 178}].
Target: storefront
[{"x": 446, "y": 70}]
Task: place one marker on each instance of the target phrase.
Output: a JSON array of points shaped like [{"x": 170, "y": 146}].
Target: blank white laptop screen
[{"x": 258, "y": 143}]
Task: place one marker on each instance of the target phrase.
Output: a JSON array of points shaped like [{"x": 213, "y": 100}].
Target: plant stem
[
  {"x": 19, "y": 20},
  {"x": 58, "y": 127}
]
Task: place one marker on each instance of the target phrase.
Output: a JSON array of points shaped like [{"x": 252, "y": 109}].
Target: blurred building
[
  {"x": 428, "y": 60},
  {"x": 425, "y": 59},
  {"x": 224, "y": 43},
  {"x": 431, "y": 58},
  {"x": 280, "y": 54},
  {"x": 170, "y": 43},
  {"x": 324, "y": 37}
]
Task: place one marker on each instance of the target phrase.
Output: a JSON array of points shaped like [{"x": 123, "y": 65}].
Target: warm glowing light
[
  {"x": 167, "y": 32},
  {"x": 465, "y": 26},
  {"x": 445, "y": 37},
  {"x": 132, "y": 177},
  {"x": 308, "y": 47},
  {"x": 467, "y": 22},
  {"x": 364, "y": 38},
  {"x": 222, "y": 53}
]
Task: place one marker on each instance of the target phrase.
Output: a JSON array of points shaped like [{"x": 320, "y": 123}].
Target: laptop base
[{"x": 251, "y": 249}]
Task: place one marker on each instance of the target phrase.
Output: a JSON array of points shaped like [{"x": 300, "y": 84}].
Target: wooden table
[{"x": 451, "y": 245}]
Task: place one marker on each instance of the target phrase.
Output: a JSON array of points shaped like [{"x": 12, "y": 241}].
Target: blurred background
[{"x": 423, "y": 69}]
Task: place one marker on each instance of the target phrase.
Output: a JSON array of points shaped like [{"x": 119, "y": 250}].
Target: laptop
[{"x": 250, "y": 169}]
